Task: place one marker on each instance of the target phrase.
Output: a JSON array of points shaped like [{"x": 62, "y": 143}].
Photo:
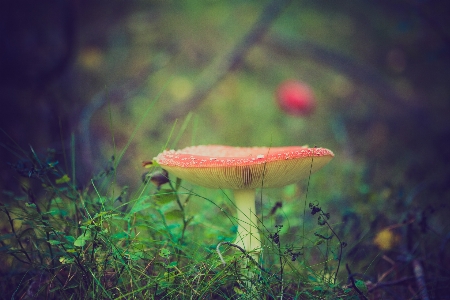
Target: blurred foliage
[{"x": 102, "y": 79}]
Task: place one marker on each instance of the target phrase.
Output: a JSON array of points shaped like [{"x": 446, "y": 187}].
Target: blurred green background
[{"x": 91, "y": 78}]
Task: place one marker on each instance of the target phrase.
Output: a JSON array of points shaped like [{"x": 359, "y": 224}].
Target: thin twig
[
  {"x": 352, "y": 280},
  {"x": 11, "y": 223}
]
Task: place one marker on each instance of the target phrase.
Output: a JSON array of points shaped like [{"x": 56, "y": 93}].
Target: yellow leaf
[{"x": 386, "y": 239}]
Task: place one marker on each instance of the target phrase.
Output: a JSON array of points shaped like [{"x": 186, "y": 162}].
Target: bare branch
[{"x": 217, "y": 71}]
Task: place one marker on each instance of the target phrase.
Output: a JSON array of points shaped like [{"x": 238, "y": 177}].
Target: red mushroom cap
[
  {"x": 216, "y": 166},
  {"x": 295, "y": 98}
]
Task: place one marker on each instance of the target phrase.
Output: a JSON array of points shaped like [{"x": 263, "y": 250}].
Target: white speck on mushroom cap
[{"x": 217, "y": 166}]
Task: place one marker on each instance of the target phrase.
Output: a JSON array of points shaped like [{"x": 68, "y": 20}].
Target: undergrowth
[{"x": 63, "y": 241}]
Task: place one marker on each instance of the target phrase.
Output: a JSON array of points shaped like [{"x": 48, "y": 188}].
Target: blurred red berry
[{"x": 295, "y": 98}]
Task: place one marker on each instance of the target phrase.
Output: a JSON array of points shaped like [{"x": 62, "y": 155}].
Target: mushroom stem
[{"x": 248, "y": 234}]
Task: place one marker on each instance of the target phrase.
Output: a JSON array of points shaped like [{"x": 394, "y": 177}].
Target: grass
[
  {"x": 67, "y": 242},
  {"x": 62, "y": 240}
]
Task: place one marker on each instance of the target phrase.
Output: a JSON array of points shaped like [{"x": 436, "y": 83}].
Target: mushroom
[
  {"x": 295, "y": 98},
  {"x": 243, "y": 170}
]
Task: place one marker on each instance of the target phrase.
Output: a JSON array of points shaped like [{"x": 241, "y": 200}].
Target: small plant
[{"x": 322, "y": 220}]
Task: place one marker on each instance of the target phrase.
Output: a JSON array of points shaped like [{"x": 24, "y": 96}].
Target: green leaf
[
  {"x": 361, "y": 285},
  {"x": 174, "y": 215},
  {"x": 163, "y": 252},
  {"x": 63, "y": 179},
  {"x": 30, "y": 205},
  {"x": 58, "y": 200},
  {"x": 140, "y": 206},
  {"x": 104, "y": 214},
  {"x": 165, "y": 196},
  {"x": 119, "y": 236},
  {"x": 135, "y": 255},
  {"x": 66, "y": 260},
  {"x": 82, "y": 239},
  {"x": 54, "y": 242},
  {"x": 102, "y": 200},
  {"x": 57, "y": 212},
  {"x": 70, "y": 238}
]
